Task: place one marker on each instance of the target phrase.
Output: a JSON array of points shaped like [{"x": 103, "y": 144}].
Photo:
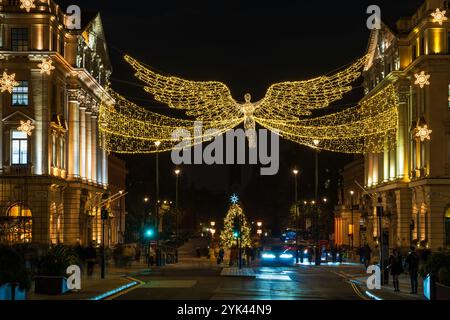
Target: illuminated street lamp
[
  {"x": 351, "y": 227},
  {"x": 177, "y": 175},
  {"x": 297, "y": 255},
  {"x": 158, "y": 250},
  {"x": 259, "y": 224},
  {"x": 212, "y": 223}
]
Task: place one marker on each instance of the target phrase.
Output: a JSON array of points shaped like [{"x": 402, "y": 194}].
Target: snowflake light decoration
[
  {"x": 422, "y": 79},
  {"x": 27, "y": 5},
  {"x": 8, "y": 82},
  {"x": 26, "y": 127},
  {"x": 234, "y": 199},
  {"x": 439, "y": 16},
  {"x": 423, "y": 133},
  {"x": 46, "y": 66}
]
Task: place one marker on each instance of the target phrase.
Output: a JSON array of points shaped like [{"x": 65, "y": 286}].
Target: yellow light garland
[{"x": 369, "y": 127}]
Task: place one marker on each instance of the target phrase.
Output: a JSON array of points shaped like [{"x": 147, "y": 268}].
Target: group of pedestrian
[
  {"x": 88, "y": 256},
  {"x": 248, "y": 255},
  {"x": 365, "y": 255},
  {"x": 396, "y": 268}
]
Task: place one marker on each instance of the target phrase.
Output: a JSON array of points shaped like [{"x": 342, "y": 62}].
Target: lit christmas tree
[{"x": 230, "y": 235}]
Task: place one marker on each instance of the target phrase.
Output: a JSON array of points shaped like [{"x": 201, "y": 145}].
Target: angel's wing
[
  {"x": 294, "y": 99},
  {"x": 204, "y": 100}
]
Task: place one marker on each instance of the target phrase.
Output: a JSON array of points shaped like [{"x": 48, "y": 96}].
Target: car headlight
[
  {"x": 286, "y": 256},
  {"x": 268, "y": 256}
]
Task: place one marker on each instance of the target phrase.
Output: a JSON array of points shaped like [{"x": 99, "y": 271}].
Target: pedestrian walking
[
  {"x": 91, "y": 258},
  {"x": 221, "y": 255},
  {"x": 396, "y": 268},
  {"x": 412, "y": 261},
  {"x": 248, "y": 255},
  {"x": 367, "y": 255}
]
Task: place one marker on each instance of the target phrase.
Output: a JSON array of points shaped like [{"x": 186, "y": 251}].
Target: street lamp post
[
  {"x": 158, "y": 253},
  {"x": 120, "y": 219},
  {"x": 177, "y": 174},
  {"x": 352, "y": 226},
  {"x": 316, "y": 191},
  {"x": 297, "y": 256}
]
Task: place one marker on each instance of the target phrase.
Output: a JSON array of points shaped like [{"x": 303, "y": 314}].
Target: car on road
[{"x": 278, "y": 254}]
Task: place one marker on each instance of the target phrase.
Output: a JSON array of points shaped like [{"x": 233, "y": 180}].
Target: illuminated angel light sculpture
[{"x": 286, "y": 109}]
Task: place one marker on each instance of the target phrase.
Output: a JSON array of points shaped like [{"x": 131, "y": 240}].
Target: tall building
[
  {"x": 411, "y": 182},
  {"x": 54, "y": 172}
]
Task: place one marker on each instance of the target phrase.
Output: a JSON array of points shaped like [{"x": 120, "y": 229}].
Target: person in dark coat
[
  {"x": 367, "y": 255},
  {"x": 91, "y": 258},
  {"x": 412, "y": 260},
  {"x": 221, "y": 255},
  {"x": 396, "y": 268}
]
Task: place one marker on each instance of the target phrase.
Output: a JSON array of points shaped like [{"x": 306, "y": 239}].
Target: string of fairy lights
[
  {"x": 369, "y": 127},
  {"x": 286, "y": 109}
]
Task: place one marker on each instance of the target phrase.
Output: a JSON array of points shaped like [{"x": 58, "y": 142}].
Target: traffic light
[
  {"x": 104, "y": 214},
  {"x": 149, "y": 232},
  {"x": 236, "y": 227}
]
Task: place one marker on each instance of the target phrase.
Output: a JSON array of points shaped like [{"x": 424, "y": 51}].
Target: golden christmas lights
[
  {"x": 423, "y": 133},
  {"x": 422, "y": 79},
  {"x": 439, "y": 16},
  {"x": 8, "y": 82},
  {"x": 128, "y": 128},
  {"x": 369, "y": 127},
  {"x": 228, "y": 239},
  {"x": 46, "y": 66},
  {"x": 27, "y": 5},
  {"x": 26, "y": 127}
]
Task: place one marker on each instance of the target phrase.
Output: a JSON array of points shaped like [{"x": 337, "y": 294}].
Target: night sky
[{"x": 248, "y": 45}]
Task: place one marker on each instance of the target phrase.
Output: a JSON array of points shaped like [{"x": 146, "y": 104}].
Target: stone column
[
  {"x": 89, "y": 161},
  {"x": 105, "y": 167},
  {"x": 74, "y": 136},
  {"x": 95, "y": 176},
  {"x": 404, "y": 217},
  {"x": 72, "y": 197},
  {"x": 435, "y": 228},
  {"x": 402, "y": 154},
  {"x": 83, "y": 143},
  {"x": 39, "y": 145}
]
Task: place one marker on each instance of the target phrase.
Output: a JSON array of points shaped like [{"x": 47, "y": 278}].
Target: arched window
[
  {"x": 447, "y": 226},
  {"x": 17, "y": 225}
]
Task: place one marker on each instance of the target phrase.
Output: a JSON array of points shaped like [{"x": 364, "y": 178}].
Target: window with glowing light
[
  {"x": 447, "y": 226},
  {"x": 19, "y": 97},
  {"x": 17, "y": 225},
  {"x": 449, "y": 95},
  {"x": 19, "y": 39},
  {"x": 19, "y": 148}
]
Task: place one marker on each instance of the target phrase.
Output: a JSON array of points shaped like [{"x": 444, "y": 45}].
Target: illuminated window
[
  {"x": 447, "y": 226},
  {"x": 19, "y": 148},
  {"x": 19, "y": 39},
  {"x": 449, "y": 95},
  {"x": 17, "y": 225},
  {"x": 20, "y": 94}
]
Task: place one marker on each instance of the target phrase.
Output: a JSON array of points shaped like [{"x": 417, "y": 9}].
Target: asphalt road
[{"x": 271, "y": 283}]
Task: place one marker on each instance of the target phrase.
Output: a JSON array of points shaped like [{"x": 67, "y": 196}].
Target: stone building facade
[
  {"x": 51, "y": 181},
  {"x": 411, "y": 181}
]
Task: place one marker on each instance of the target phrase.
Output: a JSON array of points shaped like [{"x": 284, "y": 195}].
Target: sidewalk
[
  {"x": 387, "y": 291},
  {"x": 116, "y": 280}
]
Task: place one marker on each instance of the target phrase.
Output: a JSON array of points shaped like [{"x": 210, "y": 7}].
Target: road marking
[
  {"x": 358, "y": 292},
  {"x": 170, "y": 284},
  {"x": 139, "y": 283},
  {"x": 353, "y": 285}
]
